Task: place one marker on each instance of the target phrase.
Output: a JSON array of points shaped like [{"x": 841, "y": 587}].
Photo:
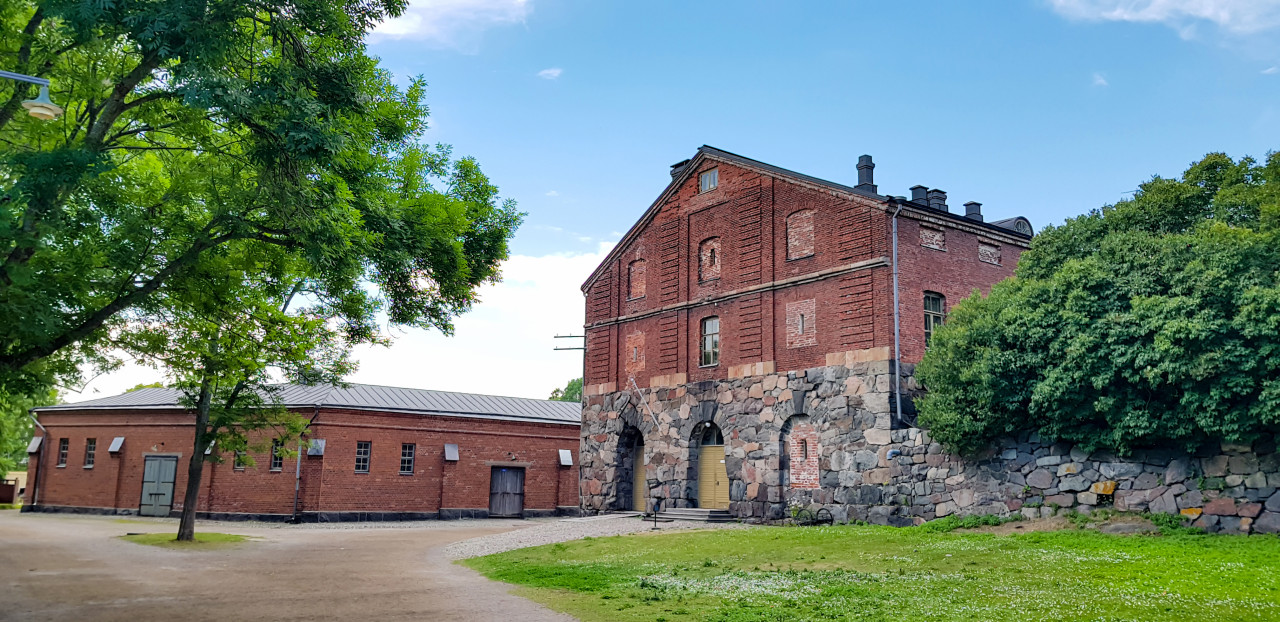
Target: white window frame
[
  {"x": 408, "y": 451},
  {"x": 364, "y": 451},
  {"x": 709, "y": 344},
  {"x": 708, "y": 180}
]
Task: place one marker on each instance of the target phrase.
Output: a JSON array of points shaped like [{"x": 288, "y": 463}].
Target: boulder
[
  {"x": 1267, "y": 522},
  {"x": 1040, "y": 478},
  {"x": 1119, "y": 470},
  {"x": 1215, "y": 466},
  {"x": 1249, "y": 510},
  {"x": 1221, "y": 507},
  {"x": 1073, "y": 483},
  {"x": 1177, "y": 470}
]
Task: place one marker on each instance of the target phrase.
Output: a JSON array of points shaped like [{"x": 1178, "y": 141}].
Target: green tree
[
  {"x": 194, "y": 125},
  {"x": 149, "y": 385},
  {"x": 572, "y": 392},
  {"x": 16, "y": 428},
  {"x": 1153, "y": 321},
  {"x": 229, "y": 331}
]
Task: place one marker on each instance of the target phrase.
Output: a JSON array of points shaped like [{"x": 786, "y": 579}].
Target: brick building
[
  {"x": 370, "y": 453},
  {"x": 718, "y": 327}
]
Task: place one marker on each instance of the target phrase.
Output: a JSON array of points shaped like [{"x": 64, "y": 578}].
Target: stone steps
[{"x": 703, "y": 515}]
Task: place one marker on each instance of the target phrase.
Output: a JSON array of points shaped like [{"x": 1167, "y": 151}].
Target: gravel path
[{"x": 549, "y": 532}]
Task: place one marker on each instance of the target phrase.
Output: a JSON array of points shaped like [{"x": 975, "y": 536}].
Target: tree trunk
[{"x": 195, "y": 468}]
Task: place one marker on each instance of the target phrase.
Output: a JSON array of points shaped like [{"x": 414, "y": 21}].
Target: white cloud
[
  {"x": 452, "y": 23},
  {"x": 552, "y": 193},
  {"x": 1099, "y": 80},
  {"x": 503, "y": 346},
  {"x": 1237, "y": 16},
  {"x": 1271, "y": 70},
  {"x": 551, "y": 73}
]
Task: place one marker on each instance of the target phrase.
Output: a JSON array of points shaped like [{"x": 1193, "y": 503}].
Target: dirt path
[{"x": 75, "y": 568}]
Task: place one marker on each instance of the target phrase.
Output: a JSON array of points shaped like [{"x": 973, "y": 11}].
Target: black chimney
[
  {"x": 973, "y": 211},
  {"x": 678, "y": 168},
  {"x": 866, "y": 174},
  {"x": 938, "y": 199},
  {"x": 920, "y": 194}
]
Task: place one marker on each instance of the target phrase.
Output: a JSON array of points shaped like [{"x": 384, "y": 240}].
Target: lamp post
[{"x": 41, "y": 107}]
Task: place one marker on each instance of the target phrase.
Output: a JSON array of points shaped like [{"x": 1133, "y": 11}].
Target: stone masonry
[{"x": 867, "y": 471}]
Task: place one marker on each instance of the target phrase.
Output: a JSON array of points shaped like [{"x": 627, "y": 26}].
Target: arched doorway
[
  {"x": 713, "y": 479},
  {"x": 639, "y": 482}
]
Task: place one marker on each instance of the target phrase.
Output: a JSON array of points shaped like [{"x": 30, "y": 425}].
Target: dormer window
[{"x": 708, "y": 180}]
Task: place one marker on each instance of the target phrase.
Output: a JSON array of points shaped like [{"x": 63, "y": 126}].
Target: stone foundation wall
[{"x": 871, "y": 472}]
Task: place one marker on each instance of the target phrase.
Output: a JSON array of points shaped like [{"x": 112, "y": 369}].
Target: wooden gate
[
  {"x": 713, "y": 479},
  {"x": 506, "y": 492},
  {"x": 158, "y": 473},
  {"x": 639, "y": 483}
]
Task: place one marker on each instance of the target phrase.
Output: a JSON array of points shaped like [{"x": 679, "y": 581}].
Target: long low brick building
[{"x": 370, "y": 453}]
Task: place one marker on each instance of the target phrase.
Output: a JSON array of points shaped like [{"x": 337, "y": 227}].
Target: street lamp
[{"x": 41, "y": 107}]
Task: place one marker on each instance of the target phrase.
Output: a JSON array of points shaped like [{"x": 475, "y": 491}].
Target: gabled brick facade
[{"x": 803, "y": 280}]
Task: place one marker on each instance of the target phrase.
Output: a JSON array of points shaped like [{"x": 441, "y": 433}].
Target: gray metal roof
[{"x": 365, "y": 397}]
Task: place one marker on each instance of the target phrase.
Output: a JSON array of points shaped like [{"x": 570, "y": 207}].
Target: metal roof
[{"x": 364, "y": 397}]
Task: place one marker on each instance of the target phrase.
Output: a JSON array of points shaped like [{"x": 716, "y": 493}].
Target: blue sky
[
  {"x": 1041, "y": 108},
  {"x": 1031, "y": 107}
]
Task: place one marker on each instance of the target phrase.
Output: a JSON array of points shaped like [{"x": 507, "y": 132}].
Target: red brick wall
[
  {"x": 329, "y": 483},
  {"x": 955, "y": 273},
  {"x": 755, "y": 220},
  {"x": 804, "y": 472}
]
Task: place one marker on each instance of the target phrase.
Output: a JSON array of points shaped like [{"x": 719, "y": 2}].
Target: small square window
[
  {"x": 240, "y": 461},
  {"x": 63, "y": 445},
  {"x": 277, "y": 460},
  {"x": 407, "y": 451},
  {"x": 363, "y": 450},
  {"x": 708, "y": 180},
  {"x": 90, "y": 452}
]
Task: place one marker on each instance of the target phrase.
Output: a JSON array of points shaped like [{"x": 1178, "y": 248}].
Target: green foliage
[
  {"x": 149, "y": 385},
  {"x": 1173, "y": 525},
  {"x": 883, "y": 573},
  {"x": 953, "y": 522},
  {"x": 16, "y": 428},
  {"x": 202, "y": 541},
  {"x": 197, "y": 130},
  {"x": 572, "y": 392},
  {"x": 1153, "y": 321}
]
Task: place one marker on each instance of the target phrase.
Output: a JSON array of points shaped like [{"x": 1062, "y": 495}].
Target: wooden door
[
  {"x": 639, "y": 483},
  {"x": 713, "y": 479},
  {"x": 506, "y": 492},
  {"x": 158, "y": 473}
]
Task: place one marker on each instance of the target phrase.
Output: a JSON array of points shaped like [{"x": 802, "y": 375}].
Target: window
[
  {"x": 710, "y": 342},
  {"x": 277, "y": 460},
  {"x": 90, "y": 449},
  {"x": 708, "y": 180},
  {"x": 240, "y": 461},
  {"x": 406, "y": 458},
  {"x": 709, "y": 259},
  {"x": 635, "y": 279},
  {"x": 804, "y": 450},
  {"x": 633, "y": 357},
  {"x": 363, "y": 450},
  {"x": 800, "y": 234},
  {"x": 801, "y": 323},
  {"x": 935, "y": 313},
  {"x": 63, "y": 444}
]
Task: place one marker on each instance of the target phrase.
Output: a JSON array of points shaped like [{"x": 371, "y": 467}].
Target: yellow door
[
  {"x": 639, "y": 484},
  {"x": 713, "y": 479}
]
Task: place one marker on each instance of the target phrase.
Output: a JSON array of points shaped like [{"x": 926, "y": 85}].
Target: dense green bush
[{"x": 1154, "y": 321}]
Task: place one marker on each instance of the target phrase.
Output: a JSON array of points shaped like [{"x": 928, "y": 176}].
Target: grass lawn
[
  {"x": 912, "y": 574},
  {"x": 204, "y": 541}
]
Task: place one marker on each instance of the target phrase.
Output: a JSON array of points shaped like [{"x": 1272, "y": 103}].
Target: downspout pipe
[
  {"x": 35, "y": 486},
  {"x": 897, "y": 318},
  {"x": 297, "y": 471}
]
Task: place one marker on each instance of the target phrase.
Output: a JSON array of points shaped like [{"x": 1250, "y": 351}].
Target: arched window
[
  {"x": 800, "y": 234},
  {"x": 710, "y": 342},
  {"x": 935, "y": 313},
  {"x": 709, "y": 259},
  {"x": 712, "y": 436},
  {"x": 635, "y": 279}
]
